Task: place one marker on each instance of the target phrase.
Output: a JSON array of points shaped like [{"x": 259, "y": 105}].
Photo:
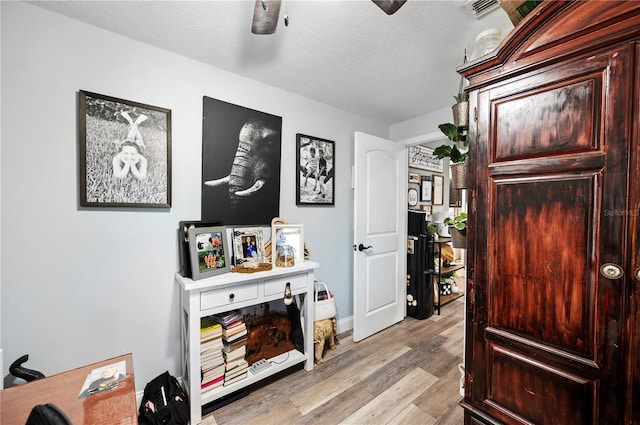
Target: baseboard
[{"x": 344, "y": 325}]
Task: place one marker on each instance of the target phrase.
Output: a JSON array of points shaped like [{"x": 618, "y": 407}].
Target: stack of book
[
  {"x": 234, "y": 340},
  {"x": 211, "y": 357}
]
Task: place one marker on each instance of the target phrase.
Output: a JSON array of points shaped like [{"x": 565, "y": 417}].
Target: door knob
[
  {"x": 611, "y": 271},
  {"x": 362, "y": 247},
  {"x": 638, "y": 274}
]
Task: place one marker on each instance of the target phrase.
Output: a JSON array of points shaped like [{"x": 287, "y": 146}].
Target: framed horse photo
[{"x": 315, "y": 164}]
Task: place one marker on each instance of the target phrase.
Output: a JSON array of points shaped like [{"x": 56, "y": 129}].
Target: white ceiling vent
[{"x": 480, "y": 7}]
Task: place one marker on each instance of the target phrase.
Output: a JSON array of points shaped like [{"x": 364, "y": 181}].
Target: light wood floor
[{"x": 405, "y": 375}]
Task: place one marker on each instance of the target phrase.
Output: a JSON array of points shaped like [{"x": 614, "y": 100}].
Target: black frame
[
  {"x": 304, "y": 144},
  {"x": 102, "y": 135}
]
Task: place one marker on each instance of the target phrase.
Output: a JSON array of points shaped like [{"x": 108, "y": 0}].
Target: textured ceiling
[{"x": 348, "y": 54}]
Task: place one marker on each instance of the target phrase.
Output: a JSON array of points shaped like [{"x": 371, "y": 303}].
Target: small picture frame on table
[
  {"x": 209, "y": 251},
  {"x": 287, "y": 242},
  {"x": 247, "y": 245}
]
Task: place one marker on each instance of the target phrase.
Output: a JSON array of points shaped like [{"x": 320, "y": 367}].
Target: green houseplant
[
  {"x": 457, "y": 158},
  {"x": 458, "y": 229}
]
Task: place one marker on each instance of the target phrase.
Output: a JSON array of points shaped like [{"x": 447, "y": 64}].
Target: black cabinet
[{"x": 420, "y": 271}]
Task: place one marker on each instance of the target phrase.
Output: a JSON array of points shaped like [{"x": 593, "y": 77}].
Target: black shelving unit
[{"x": 440, "y": 270}]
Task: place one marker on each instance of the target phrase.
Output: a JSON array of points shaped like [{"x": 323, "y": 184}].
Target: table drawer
[
  {"x": 228, "y": 296},
  {"x": 276, "y": 286}
]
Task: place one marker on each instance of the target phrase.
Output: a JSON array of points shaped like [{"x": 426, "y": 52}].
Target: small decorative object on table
[{"x": 324, "y": 331}]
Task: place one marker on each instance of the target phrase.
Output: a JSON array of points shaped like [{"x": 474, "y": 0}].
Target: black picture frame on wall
[
  {"x": 240, "y": 164},
  {"x": 315, "y": 165},
  {"x": 124, "y": 153}
]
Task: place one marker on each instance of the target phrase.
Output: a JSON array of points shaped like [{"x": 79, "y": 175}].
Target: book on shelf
[
  {"x": 213, "y": 373},
  {"x": 209, "y": 326},
  {"x": 242, "y": 367},
  {"x": 227, "y": 332},
  {"x": 216, "y": 344},
  {"x": 235, "y": 379},
  {"x": 211, "y": 362},
  {"x": 229, "y": 346},
  {"x": 212, "y": 384},
  {"x": 236, "y": 336},
  {"x": 228, "y": 317},
  {"x": 238, "y": 352},
  {"x": 239, "y": 362}
]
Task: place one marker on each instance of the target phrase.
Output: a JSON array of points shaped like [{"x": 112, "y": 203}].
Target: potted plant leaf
[
  {"x": 458, "y": 229},
  {"x": 457, "y": 158}
]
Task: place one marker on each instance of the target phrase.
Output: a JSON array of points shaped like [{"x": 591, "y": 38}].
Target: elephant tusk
[
  {"x": 218, "y": 182},
  {"x": 253, "y": 189}
]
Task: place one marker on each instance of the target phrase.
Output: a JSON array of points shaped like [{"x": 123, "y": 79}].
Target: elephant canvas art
[{"x": 240, "y": 164}]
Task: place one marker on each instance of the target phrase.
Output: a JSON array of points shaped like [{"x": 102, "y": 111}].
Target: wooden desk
[{"x": 117, "y": 406}]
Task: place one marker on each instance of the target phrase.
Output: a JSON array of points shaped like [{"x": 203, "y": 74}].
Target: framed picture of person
[
  {"x": 248, "y": 246},
  {"x": 124, "y": 154},
  {"x": 209, "y": 251},
  {"x": 315, "y": 165}
]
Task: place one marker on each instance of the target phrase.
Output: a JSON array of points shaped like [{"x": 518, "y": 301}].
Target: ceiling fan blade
[
  {"x": 389, "y": 6},
  {"x": 265, "y": 16}
]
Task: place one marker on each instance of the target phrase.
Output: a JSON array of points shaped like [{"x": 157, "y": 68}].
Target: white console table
[{"x": 230, "y": 291}]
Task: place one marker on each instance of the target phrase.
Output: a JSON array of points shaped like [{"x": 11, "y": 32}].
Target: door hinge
[{"x": 475, "y": 113}]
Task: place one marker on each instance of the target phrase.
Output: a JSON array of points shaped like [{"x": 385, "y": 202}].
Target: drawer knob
[{"x": 231, "y": 296}]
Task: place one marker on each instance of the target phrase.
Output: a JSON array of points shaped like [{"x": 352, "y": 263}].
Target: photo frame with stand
[
  {"x": 287, "y": 242},
  {"x": 248, "y": 246},
  {"x": 209, "y": 251}
]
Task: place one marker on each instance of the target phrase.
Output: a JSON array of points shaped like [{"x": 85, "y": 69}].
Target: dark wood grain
[{"x": 553, "y": 197}]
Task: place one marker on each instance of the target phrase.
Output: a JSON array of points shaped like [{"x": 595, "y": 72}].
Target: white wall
[{"x": 80, "y": 285}]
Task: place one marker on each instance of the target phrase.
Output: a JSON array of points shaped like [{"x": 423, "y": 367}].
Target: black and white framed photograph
[
  {"x": 438, "y": 190},
  {"x": 315, "y": 162},
  {"x": 248, "y": 246},
  {"x": 414, "y": 178},
  {"x": 240, "y": 164},
  {"x": 426, "y": 189},
  {"x": 287, "y": 244},
  {"x": 422, "y": 158},
  {"x": 125, "y": 153},
  {"x": 209, "y": 251}
]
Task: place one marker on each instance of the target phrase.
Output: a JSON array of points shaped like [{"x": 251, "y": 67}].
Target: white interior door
[{"x": 380, "y": 239}]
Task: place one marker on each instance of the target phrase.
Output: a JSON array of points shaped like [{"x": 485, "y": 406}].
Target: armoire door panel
[
  {"x": 549, "y": 120},
  {"x": 541, "y": 283},
  {"x": 526, "y": 390}
]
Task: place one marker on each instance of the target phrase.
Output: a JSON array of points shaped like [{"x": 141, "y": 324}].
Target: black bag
[
  {"x": 164, "y": 402},
  {"x": 47, "y": 414}
]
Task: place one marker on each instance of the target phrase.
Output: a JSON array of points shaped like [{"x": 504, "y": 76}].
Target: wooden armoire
[{"x": 553, "y": 317}]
